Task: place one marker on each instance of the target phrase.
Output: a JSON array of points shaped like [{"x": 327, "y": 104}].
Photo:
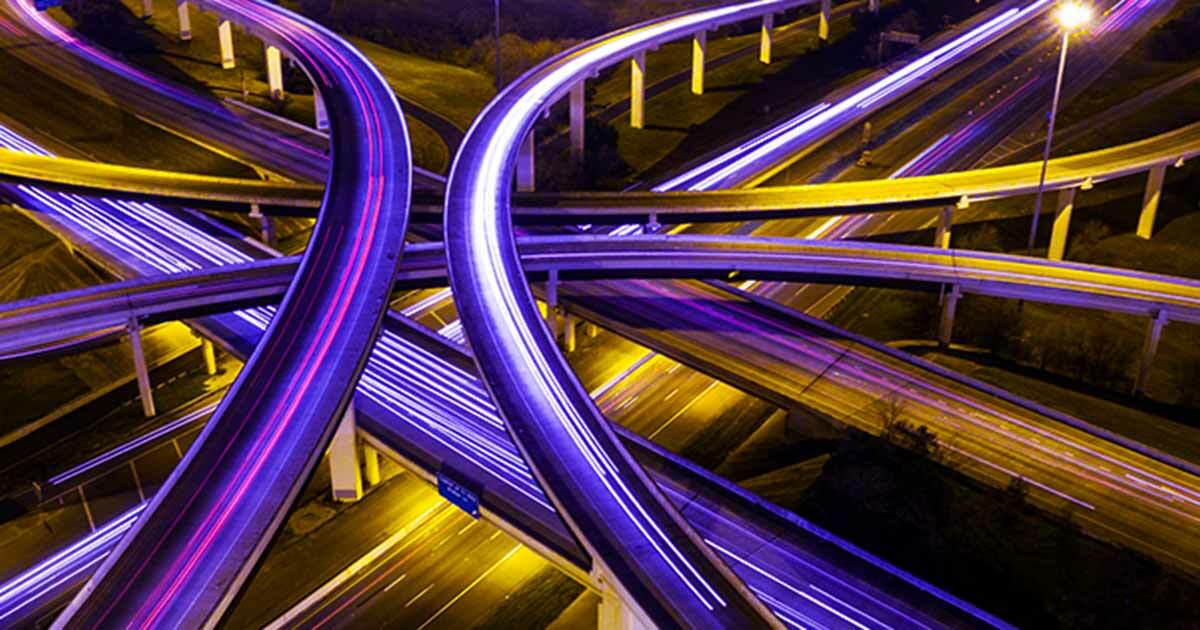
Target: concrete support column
[
  {"x": 578, "y": 97},
  {"x": 185, "y": 21},
  {"x": 615, "y": 615},
  {"x": 145, "y": 392},
  {"x": 568, "y": 332},
  {"x": 527, "y": 163},
  {"x": 941, "y": 237},
  {"x": 823, "y": 24},
  {"x": 1150, "y": 201},
  {"x": 225, "y": 36},
  {"x": 949, "y": 305},
  {"x": 370, "y": 465},
  {"x": 210, "y": 356},
  {"x": 552, "y": 302},
  {"x": 1149, "y": 349},
  {"x": 344, "y": 474},
  {"x": 265, "y": 224},
  {"x": 320, "y": 116},
  {"x": 274, "y": 72},
  {"x": 637, "y": 91},
  {"x": 699, "y": 51},
  {"x": 1062, "y": 224},
  {"x": 764, "y": 45},
  {"x": 147, "y": 8}
]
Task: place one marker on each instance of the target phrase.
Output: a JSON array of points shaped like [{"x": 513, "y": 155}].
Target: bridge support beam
[
  {"x": 568, "y": 339},
  {"x": 185, "y": 20},
  {"x": 1150, "y": 199},
  {"x": 578, "y": 102},
  {"x": 699, "y": 52},
  {"x": 552, "y": 302},
  {"x": 320, "y": 117},
  {"x": 764, "y": 40},
  {"x": 1062, "y": 224},
  {"x": 941, "y": 237},
  {"x": 949, "y": 306},
  {"x": 527, "y": 163},
  {"x": 370, "y": 465},
  {"x": 145, "y": 391},
  {"x": 1149, "y": 349},
  {"x": 225, "y": 37},
  {"x": 823, "y": 23},
  {"x": 210, "y": 356},
  {"x": 637, "y": 90},
  {"x": 274, "y": 72},
  {"x": 344, "y": 473}
]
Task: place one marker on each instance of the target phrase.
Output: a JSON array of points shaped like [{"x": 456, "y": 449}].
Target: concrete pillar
[
  {"x": 764, "y": 45},
  {"x": 344, "y": 474},
  {"x": 568, "y": 332},
  {"x": 147, "y": 8},
  {"x": 274, "y": 72},
  {"x": 1149, "y": 349},
  {"x": 1062, "y": 224},
  {"x": 526, "y": 163},
  {"x": 577, "y": 119},
  {"x": 210, "y": 356},
  {"x": 370, "y": 465},
  {"x": 145, "y": 392},
  {"x": 615, "y": 615},
  {"x": 225, "y": 35},
  {"x": 552, "y": 302},
  {"x": 941, "y": 237},
  {"x": 185, "y": 21},
  {"x": 823, "y": 24},
  {"x": 265, "y": 224},
  {"x": 1150, "y": 201},
  {"x": 949, "y": 305},
  {"x": 320, "y": 116},
  {"x": 637, "y": 91},
  {"x": 699, "y": 50}
]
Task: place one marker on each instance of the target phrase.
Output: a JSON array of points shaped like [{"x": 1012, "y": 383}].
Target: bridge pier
[
  {"x": 527, "y": 163},
  {"x": 823, "y": 24},
  {"x": 370, "y": 465},
  {"x": 764, "y": 40},
  {"x": 1149, "y": 349},
  {"x": 344, "y": 474},
  {"x": 637, "y": 90},
  {"x": 941, "y": 237},
  {"x": 225, "y": 36},
  {"x": 578, "y": 101},
  {"x": 321, "y": 118},
  {"x": 949, "y": 306},
  {"x": 1062, "y": 224},
  {"x": 145, "y": 391},
  {"x": 568, "y": 340},
  {"x": 274, "y": 72},
  {"x": 210, "y": 356},
  {"x": 1150, "y": 199},
  {"x": 699, "y": 52},
  {"x": 185, "y": 20}
]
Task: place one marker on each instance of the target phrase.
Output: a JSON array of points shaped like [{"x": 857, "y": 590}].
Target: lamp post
[
  {"x": 1070, "y": 16},
  {"x": 496, "y": 12}
]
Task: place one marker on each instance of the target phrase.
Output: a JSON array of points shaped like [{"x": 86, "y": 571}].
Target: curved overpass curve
[
  {"x": 633, "y": 535},
  {"x": 185, "y": 560}
]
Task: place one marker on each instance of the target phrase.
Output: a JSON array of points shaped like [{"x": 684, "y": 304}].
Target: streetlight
[{"x": 1070, "y": 16}]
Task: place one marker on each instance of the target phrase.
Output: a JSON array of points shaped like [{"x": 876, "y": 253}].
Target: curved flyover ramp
[{"x": 186, "y": 558}]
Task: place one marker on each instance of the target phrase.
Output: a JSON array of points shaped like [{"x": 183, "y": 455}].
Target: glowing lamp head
[{"x": 1072, "y": 15}]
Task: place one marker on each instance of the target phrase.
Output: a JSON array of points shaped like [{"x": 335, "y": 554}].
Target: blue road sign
[{"x": 458, "y": 493}]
